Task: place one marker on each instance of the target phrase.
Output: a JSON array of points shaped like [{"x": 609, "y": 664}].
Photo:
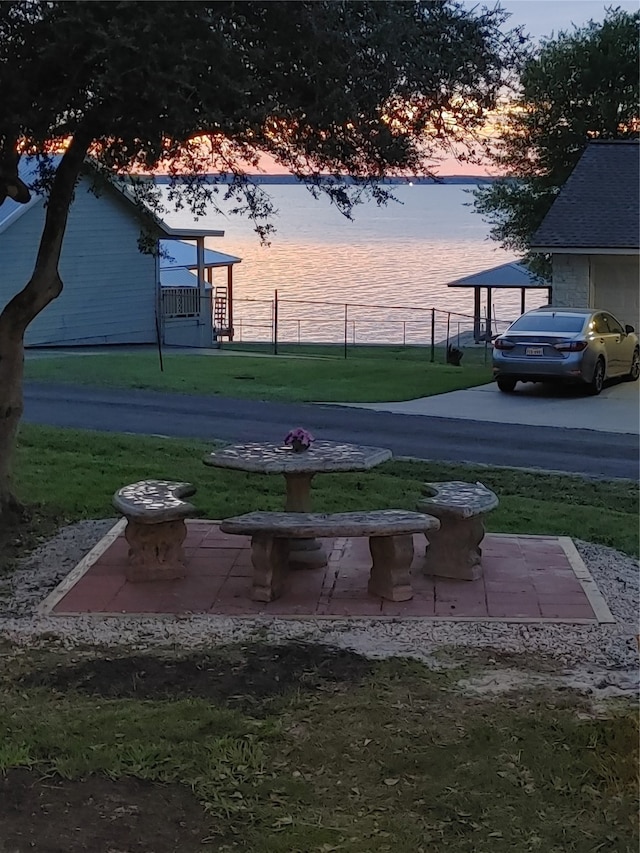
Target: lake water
[{"x": 399, "y": 257}]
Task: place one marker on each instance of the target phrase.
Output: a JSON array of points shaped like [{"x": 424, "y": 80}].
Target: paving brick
[
  {"x": 567, "y": 611},
  {"x": 513, "y": 587},
  {"x": 113, "y": 566},
  {"x": 355, "y": 607},
  {"x": 233, "y": 608},
  {"x": 416, "y": 607},
  {"x": 119, "y": 549},
  {"x": 200, "y": 565},
  {"x": 451, "y": 590},
  {"x": 241, "y": 570},
  {"x": 90, "y": 595},
  {"x": 293, "y": 606},
  {"x": 458, "y": 610},
  {"x": 510, "y": 605},
  {"x": 306, "y": 586},
  {"x": 577, "y": 597}
]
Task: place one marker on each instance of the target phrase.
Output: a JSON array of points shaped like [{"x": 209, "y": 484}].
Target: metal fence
[{"x": 298, "y": 321}]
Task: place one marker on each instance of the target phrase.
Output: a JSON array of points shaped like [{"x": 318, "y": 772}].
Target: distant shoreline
[{"x": 415, "y": 180}]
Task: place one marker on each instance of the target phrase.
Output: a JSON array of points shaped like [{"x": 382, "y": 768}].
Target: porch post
[
  {"x": 200, "y": 263},
  {"x": 489, "y": 313},
  {"x": 205, "y": 311},
  {"x": 476, "y": 315},
  {"x": 230, "y": 299}
]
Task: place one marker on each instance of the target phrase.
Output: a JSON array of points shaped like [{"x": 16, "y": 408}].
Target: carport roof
[{"x": 513, "y": 274}]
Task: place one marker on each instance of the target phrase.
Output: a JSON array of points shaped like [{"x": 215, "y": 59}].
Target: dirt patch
[
  {"x": 22, "y": 530},
  {"x": 242, "y": 677},
  {"x": 98, "y": 814}
]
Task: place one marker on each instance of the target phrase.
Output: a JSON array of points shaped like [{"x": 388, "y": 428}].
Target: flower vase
[{"x": 298, "y": 446}]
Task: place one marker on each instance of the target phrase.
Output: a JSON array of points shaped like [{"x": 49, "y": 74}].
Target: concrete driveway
[{"x": 616, "y": 409}]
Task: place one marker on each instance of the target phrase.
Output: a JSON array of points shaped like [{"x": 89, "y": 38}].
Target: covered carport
[{"x": 514, "y": 275}]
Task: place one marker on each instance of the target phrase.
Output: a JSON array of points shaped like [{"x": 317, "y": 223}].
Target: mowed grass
[
  {"x": 72, "y": 474},
  {"x": 384, "y": 375},
  {"x": 397, "y": 759}
]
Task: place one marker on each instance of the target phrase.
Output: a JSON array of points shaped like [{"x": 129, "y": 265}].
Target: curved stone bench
[
  {"x": 454, "y": 550},
  {"x": 390, "y": 535},
  {"x": 155, "y": 530}
]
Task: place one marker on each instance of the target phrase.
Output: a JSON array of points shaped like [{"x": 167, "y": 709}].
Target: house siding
[
  {"x": 109, "y": 293},
  {"x": 611, "y": 282},
  {"x": 571, "y": 281},
  {"x": 616, "y": 284}
]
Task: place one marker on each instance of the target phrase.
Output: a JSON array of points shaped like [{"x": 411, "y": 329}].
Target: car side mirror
[{"x": 629, "y": 330}]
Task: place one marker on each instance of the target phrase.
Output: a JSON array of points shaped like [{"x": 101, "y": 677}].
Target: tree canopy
[
  {"x": 578, "y": 86},
  {"x": 364, "y": 89}
]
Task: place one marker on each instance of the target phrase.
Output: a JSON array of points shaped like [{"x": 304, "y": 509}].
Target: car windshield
[{"x": 548, "y": 323}]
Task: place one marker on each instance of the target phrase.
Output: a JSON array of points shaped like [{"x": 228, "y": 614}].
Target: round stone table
[{"x": 299, "y": 469}]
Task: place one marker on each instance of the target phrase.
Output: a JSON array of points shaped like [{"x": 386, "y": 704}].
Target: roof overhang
[
  {"x": 510, "y": 275},
  {"x": 503, "y": 285},
  {"x": 585, "y": 250},
  {"x": 188, "y": 233}
]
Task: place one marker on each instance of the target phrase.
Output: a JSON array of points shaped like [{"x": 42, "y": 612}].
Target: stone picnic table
[{"x": 299, "y": 469}]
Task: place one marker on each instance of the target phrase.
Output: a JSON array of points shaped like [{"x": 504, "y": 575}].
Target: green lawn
[
  {"x": 71, "y": 474},
  {"x": 300, "y": 748},
  {"x": 378, "y": 375}
]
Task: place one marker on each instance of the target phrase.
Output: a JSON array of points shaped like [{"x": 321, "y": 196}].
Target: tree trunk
[
  {"x": 44, "y": 286},
  {"x": 11, "y": 407}
]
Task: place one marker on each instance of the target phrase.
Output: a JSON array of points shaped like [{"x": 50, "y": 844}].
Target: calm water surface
[{"x": 399, "y": 255}]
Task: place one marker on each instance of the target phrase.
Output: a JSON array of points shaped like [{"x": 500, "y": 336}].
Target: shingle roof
[{"x": 599, "y": 205}]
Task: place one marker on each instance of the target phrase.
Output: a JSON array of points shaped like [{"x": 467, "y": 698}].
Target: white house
[
  {"x": 592, "y": 232},
  {"x": 113, "y": 293}
]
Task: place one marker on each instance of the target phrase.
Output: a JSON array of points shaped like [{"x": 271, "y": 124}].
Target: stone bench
[
  {"x": 155, "y": 530},
  {"x": 390, "y": 535},
  {"x": 454, "y": 550}
]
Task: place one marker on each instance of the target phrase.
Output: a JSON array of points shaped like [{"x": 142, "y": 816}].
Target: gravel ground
[{"x": 599, "y": 659}]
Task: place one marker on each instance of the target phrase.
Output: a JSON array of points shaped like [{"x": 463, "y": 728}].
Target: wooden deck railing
[{"x": 180, "y": 302}]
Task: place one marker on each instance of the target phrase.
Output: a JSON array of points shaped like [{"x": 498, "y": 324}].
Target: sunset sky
[{"x": 540, "y": 19}]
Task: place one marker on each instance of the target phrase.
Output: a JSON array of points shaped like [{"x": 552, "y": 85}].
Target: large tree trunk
[{"x": 44, "y": 286}]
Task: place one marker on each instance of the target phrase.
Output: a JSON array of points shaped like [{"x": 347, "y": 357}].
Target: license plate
[{"x": 534, "y": 351}]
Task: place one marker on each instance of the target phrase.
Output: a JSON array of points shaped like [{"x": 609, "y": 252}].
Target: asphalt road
[{"x": 577, "y": 451}]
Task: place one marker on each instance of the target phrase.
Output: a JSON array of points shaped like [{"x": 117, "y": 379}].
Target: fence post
[
  {"x": 346, "y": 327},
  {"x": 275, "y": 322},
  {"x": 433, "y": 335},
  {"x": 448, "y": 330}
]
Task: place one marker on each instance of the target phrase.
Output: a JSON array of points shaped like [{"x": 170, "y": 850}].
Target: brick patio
[{"x": 526, "y": 578}]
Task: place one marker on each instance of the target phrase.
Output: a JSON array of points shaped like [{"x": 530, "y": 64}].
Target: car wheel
[
  {"x": 634, "y": 372},
  {"x": 506, "y": 384},
  {"x": 595, "y": 386}
]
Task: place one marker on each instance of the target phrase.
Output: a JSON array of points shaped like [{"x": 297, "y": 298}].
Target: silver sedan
[{"x": 578, "y": 345}]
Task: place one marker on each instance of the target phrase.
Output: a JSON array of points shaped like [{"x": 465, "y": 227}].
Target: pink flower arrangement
[{"x": 299, "y": 439}]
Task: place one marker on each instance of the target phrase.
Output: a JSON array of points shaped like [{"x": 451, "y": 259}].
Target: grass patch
[
  {"x": 384, "y": 376},
  {"x": 72, "y": 474},
  {"x": 397, "y": 760}
]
